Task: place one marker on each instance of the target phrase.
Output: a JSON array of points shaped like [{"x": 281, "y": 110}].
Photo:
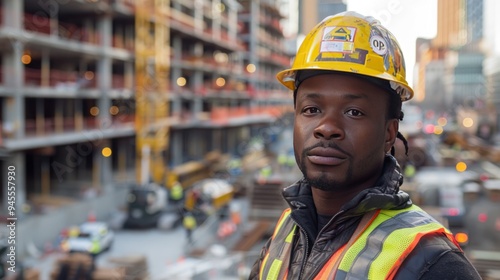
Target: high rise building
[
  {"x": 491, "y": 66},
  {"x": 451, "y": 30},
  {"x": 311, "y": 12},
  {"x": 456, "y": 56}
]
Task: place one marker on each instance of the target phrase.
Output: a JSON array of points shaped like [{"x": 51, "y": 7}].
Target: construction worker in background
[
  {"x": 234, "y": 166},
  {"x": 282, "y": 161},
  {"x": 189, "y": 223},
  {"x": 176, "y": 192},
  {"x": 409, "y": 171},
  {"x": 348, "y": 219},
  {"x": 290, "y": 161},
  {"x": 266, "y": 172}
]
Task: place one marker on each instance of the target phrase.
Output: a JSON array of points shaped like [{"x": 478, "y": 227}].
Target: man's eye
[
  {"x": 354, "y": 112},
  {"x": 310, "y": 110}
]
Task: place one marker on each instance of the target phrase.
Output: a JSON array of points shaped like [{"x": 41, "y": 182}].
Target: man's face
[{"x": 340, "y": 131}]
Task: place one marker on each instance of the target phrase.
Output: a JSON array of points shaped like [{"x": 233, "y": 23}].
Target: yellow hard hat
[{"x": 352, "y": 43}]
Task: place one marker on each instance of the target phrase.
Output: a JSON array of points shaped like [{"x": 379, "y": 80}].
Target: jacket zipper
[{"x": 306, "y": 252}]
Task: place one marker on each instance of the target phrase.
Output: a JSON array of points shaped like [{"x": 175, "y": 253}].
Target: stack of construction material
[
  {"x": 255, "y": 160},
  {"x": 25, "y": 274},
  {"x": 107, "y": 273},
  {"x": 80, "y": 266},
  {"x": 136, "y": 267},
  {"x": 72, "y": 266},
  {"x": 31, "y": 274}
]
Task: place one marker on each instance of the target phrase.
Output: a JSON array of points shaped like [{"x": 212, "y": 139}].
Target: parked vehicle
[
  {"x": 89, "y": 237},
  {"x": 443, "y": 187},
  {"x": 442, "y": 191},
  {"x": 483, "y": 224}
]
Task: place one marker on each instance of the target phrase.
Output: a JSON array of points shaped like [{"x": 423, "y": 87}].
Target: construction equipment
[
  {"x": 145, "y": 205},
  {"x": 473, "y": 143},
  {"x": 209, "y": 195},
  {"x": 152, "y": 66}
]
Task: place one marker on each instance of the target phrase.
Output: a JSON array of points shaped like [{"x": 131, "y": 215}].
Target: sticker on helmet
[
  {"x": 378, "y": 44},
  {"x": 339, "y": 33},
  {"x": 344, "y": 47},
  {"x": 338, "y": 39}
]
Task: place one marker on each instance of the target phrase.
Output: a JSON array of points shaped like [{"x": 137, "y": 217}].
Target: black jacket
[{"x": 435, "y": 257}]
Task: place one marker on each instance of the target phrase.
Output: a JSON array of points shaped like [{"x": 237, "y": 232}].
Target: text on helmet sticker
[
  {"x": 378, "y": 44},
  {"x": 338, "y": 39}
]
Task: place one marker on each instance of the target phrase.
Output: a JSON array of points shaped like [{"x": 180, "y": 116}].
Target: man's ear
[{"x": 391, "y": 134}]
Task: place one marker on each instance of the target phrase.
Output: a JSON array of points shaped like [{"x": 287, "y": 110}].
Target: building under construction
[{"x": 94, "y": 93}]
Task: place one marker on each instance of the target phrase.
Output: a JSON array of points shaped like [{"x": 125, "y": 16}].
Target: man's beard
[{"x": 323, "y": 182}]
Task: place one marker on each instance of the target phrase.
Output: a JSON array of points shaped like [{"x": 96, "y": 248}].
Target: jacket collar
[{"x": 385, "y": 194}]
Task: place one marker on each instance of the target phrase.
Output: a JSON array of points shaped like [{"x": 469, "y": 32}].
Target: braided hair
[{"x": 394, "y": 112}]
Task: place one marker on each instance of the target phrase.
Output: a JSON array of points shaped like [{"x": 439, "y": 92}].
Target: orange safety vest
[{"x": 380, "y": 244}]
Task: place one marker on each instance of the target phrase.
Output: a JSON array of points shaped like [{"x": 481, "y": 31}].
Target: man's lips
[{"x": 326, "y": 156}]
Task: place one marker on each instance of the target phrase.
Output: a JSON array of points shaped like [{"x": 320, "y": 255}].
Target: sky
[{"x": 406, "y": 19}]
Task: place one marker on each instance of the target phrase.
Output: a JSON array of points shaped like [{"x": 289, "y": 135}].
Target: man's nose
[{"x": 330, "y": 127}]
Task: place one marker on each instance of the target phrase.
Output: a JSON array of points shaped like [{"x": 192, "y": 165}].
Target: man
[
  {"x": 347, "y": 217},
  {"x": 189, "y": 223},
  {"x": 177, "y": 192}
]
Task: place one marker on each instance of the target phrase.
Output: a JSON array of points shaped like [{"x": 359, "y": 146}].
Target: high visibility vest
[
  {"x": 95, "y": 247},
  {"x": 391, "y": 235},
  {"x": 189, "y": 222},
  {"x": 176, "y": 192}
]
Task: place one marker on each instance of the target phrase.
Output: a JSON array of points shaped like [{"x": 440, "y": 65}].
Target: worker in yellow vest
[
  {"x": 189, "y": 223},
  {"x": 409, "y": 171},
  {"x": 282, "y": 162},
  {"x": 347, "y": 217},
  {"x": 176, "y": 192}
]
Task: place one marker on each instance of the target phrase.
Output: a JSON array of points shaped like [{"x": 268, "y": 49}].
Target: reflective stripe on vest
[
  {"x": 376, "y": 254},
  {"x": 281, "y": 251},
  {"x": 381, "y": 249}
]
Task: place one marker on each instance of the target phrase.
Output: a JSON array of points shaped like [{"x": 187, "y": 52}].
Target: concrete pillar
[
  {"x": 45, "y": 68},
  {"x": 106, "y": 174},
  {"x": 176, "y": 107},
  {"x": 217, "y": 139},
  {"x": 197, "y": 83},
  {"x": 13, "y": 110},
  {"x": 104, "y": 72},
  {"x": 231, "y": 140},
  {"x": 233, "y": 21},
  {"x": 176, "y": 147},
  {"x": 45, "y": 175},
  {"x": 122, "y": 157},
  {"x": 96, "y": 169},
  {"x": 216, "y": 22},
  {"x": 58, "y": 115},
  {"x": 40, "y": 116},
  {"x": 13, "y": 13},
  {"x": 197, "y": 107},
  {"x": 198, "y": 15},
  {"x": 78, "y": 115},
  {"x": 129, "y": 75},
  {"x": 196, "y": 143}
]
